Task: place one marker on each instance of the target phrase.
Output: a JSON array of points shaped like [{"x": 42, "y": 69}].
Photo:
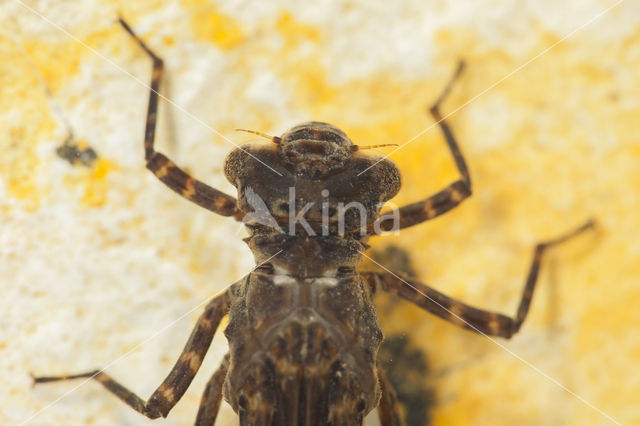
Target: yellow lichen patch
[
  {"x": 93, "y": 181},
  {"x": 29, "y": 70},
  {"x": 211, "y": 25},
  {"x": 26, "y": 121},
  {"x": 95, "y": 194},
  {"x": 18, "y": 158},
  {"x": 607, "y": 337},
  {"x": 59, "y": 61},
  {"x": 310, "y": 85},
  {"x": 295, "y": 32},
  {"x": 455, "y": 41}
]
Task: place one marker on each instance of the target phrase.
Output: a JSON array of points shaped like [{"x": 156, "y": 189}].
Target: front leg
[
  {"x": 175, "y": 385},
  {"x": 461, "y": 314},
  {"x": 165, "y": 169},
  {"x": 454, "y": 193}
]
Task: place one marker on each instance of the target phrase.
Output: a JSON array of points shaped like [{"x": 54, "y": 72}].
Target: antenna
[
  {"x": 274, "y": 139},
  {"x": 355, "y": 148}
]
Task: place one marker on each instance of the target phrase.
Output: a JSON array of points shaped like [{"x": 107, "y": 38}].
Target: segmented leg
[
  {"x": 388, "y": 409},
  {"x": 478, "y": 320},
  {"x": 210, "y": 402},
  {"x": 454, "y": 193},
  {"x": 182, "y": 373},
  {"x": 165, "y": 169}
]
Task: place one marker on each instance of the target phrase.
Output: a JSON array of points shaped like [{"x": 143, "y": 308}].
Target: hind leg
[
  {"x": 388, "y": 409},
  {"x": 210, "y": 402}
]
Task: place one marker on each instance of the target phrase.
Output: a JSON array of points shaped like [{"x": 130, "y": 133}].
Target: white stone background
[{"x": 88, "y": 283}]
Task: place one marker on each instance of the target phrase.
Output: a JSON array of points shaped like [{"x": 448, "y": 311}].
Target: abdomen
[{"x": 302, "y": 351}]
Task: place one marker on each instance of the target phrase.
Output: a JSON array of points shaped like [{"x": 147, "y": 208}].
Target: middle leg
[
  {"x": 176, "y": 383},
  {"x": 461, "y": 314}
]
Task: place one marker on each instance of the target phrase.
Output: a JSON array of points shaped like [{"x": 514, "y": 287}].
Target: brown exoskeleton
[{"x": 303, "y": 333}]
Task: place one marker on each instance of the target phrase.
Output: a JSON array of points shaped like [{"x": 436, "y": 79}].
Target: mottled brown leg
[
  {"x": 478, "y": 320},
  {"x": 180, "y": 377},
  {"x": 454, "y": 193},
  {"x": 210, "y": 402},
  {"x": 165, "y": 169},
  {"x": 388, "y": 409}
]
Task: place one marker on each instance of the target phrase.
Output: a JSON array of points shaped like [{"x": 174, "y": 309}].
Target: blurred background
[{"x": 102, "y": 265}]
